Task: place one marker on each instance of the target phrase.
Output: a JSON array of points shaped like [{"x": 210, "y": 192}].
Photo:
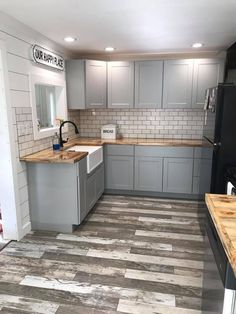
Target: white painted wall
[{"x": 18, "y": 41}]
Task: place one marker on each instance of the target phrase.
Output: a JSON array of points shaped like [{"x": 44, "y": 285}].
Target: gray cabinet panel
[
  {"x": 95, "y": 84},
  {"x": 81, "y": 196},
  {"x": 75, "y": 84},
  {"x": 196, "y": 185},
  {"x": 178, "y": 173},
  {"x": 205, "y": 178},
  {"x": 119, "y": 172},
  {"x": 148, "y": 84},
  {"x": 120, "y": 150},
  {"x": 91, "y": 195},
  {"x": 155, "y": 151},
  {"x": 120, "y": 84},
  {"x": 148, "y": 174},
  {"x": 99, "y": 181},
  {"x": 196, "y": 167},
  {"x": 207, "y": 73},
  {"x": 57, "y": 195},
  {"x": 177, "y": 85}
]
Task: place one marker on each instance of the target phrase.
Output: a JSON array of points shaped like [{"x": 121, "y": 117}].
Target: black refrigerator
[{"x": 219, "y": 132}]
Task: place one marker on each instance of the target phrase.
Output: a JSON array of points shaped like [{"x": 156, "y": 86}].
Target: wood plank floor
[{"x": 131, "y": 255}]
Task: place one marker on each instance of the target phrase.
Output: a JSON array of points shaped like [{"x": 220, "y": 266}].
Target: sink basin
[{"x": 95, "y": 155}]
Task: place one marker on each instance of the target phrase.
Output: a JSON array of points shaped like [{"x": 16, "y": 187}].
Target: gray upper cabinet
[
  {"x": 207, "y": 73},
  {"x": 120, "y": 84},
  {"x": 95, "y": 87},
  {"x": 75, "y": 84},
  {"x": 178, "y": 174},
  {"x": 177, "y": 88},
  {"x": 148, "y": 84},
  {"x": 86, "y": 84}
]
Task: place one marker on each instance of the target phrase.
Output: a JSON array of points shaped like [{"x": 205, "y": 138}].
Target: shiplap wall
[{"x": 18, "y": 41}]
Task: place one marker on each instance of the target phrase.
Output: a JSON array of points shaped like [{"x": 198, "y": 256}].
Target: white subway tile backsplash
[{"x": 146, "y": 123}]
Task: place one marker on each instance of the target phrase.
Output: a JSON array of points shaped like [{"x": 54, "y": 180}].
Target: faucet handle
[{"x": 65, "y": 141}]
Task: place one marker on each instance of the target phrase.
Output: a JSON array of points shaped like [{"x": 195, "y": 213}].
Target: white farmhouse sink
[{"x": 95, "y": 155}]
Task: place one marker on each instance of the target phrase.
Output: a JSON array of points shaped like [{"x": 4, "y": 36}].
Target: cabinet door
[
  {"x": 75, "y": 84},
  {"x": 91, "y": 195},
  {"x": 178, "y": 174},
  {"x": 120, "y": 84},
  {"x": 95, "y": 84},
  {"x": 148, "y": 174},
  {"x": 178, "y": 79},
  {"x": 207, "y": 73},
  {"x": 99, "y": 181},
  {"x": 119, "y": 172},
  {"x": 81, "y": 196},
  {"x": 148, "y": 84}
]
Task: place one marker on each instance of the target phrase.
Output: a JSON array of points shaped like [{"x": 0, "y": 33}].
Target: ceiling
[{"x": 131, "y": 26}]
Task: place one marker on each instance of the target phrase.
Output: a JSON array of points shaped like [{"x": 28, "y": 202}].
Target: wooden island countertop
[
  {"x": 63, "y": 156},
  {"x": 222, "y": 209}
]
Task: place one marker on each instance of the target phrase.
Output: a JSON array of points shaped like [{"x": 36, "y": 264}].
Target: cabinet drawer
[
  {"x": 160, "y": 151},
  {"x": 120, "y": 150}
]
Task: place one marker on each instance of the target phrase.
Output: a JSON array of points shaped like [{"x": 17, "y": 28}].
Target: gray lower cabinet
[
  {"x": 148, "y": 174},
  {"x": 61, "y": 195},
  {"x": 57, "y": 195},
  {"x": 94, "y": 187},
  {"x": 119, "y": 172},
  {"x": 177, "y": 176}
]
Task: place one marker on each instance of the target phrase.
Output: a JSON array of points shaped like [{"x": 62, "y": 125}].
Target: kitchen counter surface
[
  {"x": 136, "y": 141},
  {"x": 49, "y": 156},
  {"x": 222, "y": 209}
]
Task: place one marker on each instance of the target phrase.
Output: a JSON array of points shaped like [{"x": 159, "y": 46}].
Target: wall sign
[{"x": 46, "y": 57}]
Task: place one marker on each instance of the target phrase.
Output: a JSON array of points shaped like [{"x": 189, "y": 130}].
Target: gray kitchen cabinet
[
  {"x": 202, "y": 170},
  {"x": 148, "y": 174},
  {"x": 177, "y": 83},
  {"x": 206, "y": 73},
  {"x": 95, "y": 87},
  {"x": 57, "y": 195},
  {"x": 148, "y": 84},
  {"x": 95, "y": 187},
  {"x": 75, "y": 84},
  {"x": 86, "y": 84},
  {"x": 119, "y": 172},
  {"x": 120, "y": 84},
  {"x": 177, "y": 175}
]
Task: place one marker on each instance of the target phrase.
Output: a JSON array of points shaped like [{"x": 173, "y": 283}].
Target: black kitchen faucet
[{"x": 60, "y": 131}]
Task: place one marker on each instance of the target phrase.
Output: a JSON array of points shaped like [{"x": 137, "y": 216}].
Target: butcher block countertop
[
  {"x": 49, "y": 156},
  {"x": 222, "y": 209},
  {"x": 137, "y": 141}
]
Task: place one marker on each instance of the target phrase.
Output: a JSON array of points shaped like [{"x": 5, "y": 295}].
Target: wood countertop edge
[
  {"x": 223, "y": 235},
  {"x": 36, "y": 158},
  {"x": 45, "y": 160},
  {"x": 142, "y": 142}
]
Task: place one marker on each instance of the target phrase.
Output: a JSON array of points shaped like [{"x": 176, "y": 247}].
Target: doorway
[{"x": 9, "y": 198}]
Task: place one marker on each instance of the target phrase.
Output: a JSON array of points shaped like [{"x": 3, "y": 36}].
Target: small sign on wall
[{"x": 46, "y": 57}]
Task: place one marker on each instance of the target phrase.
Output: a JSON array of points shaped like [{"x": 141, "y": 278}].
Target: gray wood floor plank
[{"x": 131, "y": 255}]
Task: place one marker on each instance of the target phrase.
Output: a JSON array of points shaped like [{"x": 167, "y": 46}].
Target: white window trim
[{"x": 61, "y": 103}]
